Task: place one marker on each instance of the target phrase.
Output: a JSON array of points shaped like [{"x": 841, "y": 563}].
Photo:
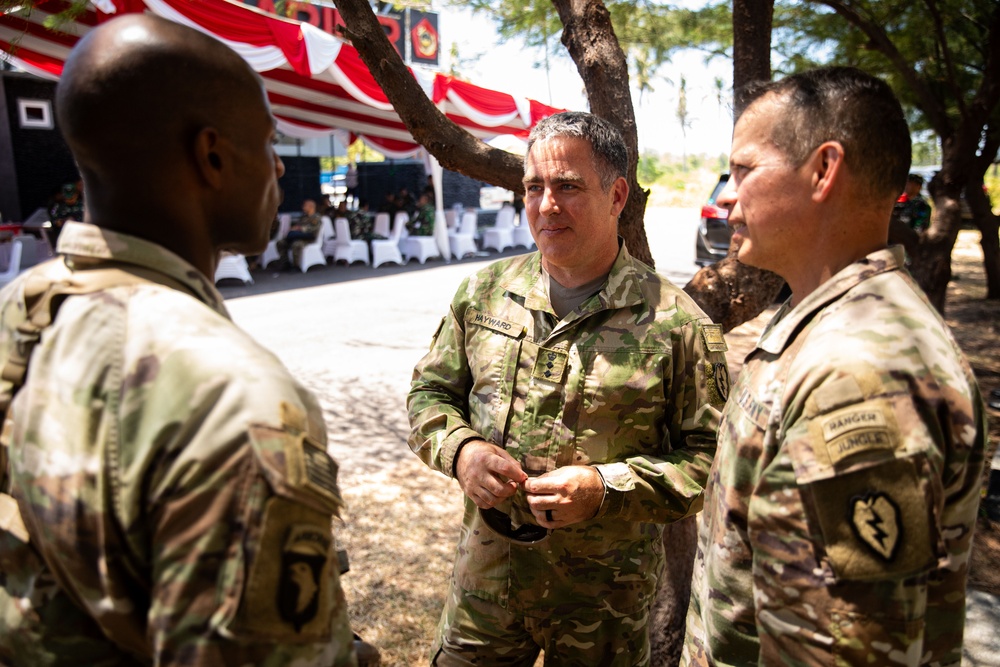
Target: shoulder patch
[
  {"x": 714, "y": 340},
  {"x": 717, "y": 381},
  {"x": 857, "y": 429},
  {"x": 493, "y": 323},
  {"x": 292, "y": 592},
  {"x": 876, "y": 522}
]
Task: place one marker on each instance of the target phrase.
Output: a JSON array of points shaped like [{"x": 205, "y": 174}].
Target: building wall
[{"x": 34, "y": 163}]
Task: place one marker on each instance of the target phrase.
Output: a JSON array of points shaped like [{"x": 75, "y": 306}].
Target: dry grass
[{"x": 403, "y": 522}]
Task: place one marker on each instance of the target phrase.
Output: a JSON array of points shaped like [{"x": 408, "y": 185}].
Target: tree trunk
[
  {"x": 751, "y": 46},
  {"x": 669, "y": 613},
  {"x": 729, "y": 292},
  {"x": 989, "y": 228},
  {"x": 590, "y": 39}
]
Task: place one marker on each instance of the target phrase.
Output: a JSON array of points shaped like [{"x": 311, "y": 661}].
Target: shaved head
[
  {"x": 160, "y": 116},
  {"x": 133, "y": 87}
]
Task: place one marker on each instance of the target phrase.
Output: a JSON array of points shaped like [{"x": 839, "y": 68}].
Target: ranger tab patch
[
  {"x": 714, "y": 340},
  {"x": 875, "y": 520}
]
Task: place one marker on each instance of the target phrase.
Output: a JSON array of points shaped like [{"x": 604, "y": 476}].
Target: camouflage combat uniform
[
  {"x": 632, "y": 382},
  {"x": 307, "y": 229},
  {"x": 841, "y": 505},
  {"x": 173, "y": 482},
  {"x": 422, "y": 224}
]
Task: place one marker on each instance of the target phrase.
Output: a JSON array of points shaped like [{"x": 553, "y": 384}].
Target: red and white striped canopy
[{"x": 317, "y": 83}]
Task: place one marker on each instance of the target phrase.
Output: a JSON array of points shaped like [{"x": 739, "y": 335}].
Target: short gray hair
[{"x": 606, "y": 142}]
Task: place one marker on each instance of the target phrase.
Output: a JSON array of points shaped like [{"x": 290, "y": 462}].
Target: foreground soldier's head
[
  {"x": 817, "y": 163},
  {"x": 173, "y": 136},
  {"x": 575, "y": 188}
]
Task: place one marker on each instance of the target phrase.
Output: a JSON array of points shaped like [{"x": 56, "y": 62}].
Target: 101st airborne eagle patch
[
  {"x": 875, "y": 520},
  {"x": 302, "y": 578}
]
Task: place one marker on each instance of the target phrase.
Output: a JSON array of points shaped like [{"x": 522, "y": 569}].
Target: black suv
[{"x": 712, "y": 242}]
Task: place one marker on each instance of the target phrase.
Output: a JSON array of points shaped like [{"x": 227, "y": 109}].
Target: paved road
[{"x": 353, "y": 334}]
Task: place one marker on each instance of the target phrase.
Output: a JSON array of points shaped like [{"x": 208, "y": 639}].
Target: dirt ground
[{"x": 397, "y": 595}]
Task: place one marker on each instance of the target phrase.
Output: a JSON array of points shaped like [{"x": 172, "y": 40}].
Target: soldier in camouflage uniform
[
  {"x": 167, "y": 492},
  {"x": 302, "y": 233},
  {"x": 422, "y": 224},
  {"x": 574, "y": 394},
  {"x": 840, "y": 510}
]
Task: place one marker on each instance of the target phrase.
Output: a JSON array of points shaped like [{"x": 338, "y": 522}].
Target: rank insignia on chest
[
  {"x": 875, "y": 520},
  {"x": 550, "y": 364}
]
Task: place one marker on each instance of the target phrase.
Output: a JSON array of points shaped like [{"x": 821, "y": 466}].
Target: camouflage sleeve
[
  {"x": 438, "y": 398},
  {"x": 670, "y": 487},
  {"x": 862, "y": 524},
  {"x": 245, "y": 569}
]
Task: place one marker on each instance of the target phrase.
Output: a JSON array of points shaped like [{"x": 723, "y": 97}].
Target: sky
[{"x": 510, "y": 68}]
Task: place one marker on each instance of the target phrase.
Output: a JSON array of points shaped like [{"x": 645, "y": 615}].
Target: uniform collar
[
  {"x": 83, "y": 240},
  {"x": 788, "y": 321},
  {"x": 621, "y": 290}
]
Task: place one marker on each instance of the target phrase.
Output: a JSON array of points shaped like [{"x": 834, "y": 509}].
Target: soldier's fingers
[{"x": 504, "y": 464}]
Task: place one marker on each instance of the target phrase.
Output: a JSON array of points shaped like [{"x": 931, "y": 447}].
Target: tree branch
[
  {"x": 590, "y": 39},
  {"x": 946, "y": 55},
  {"x": 935, "y": 112}
]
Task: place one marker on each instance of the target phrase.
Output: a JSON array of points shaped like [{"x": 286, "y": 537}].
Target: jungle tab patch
[
  {"x": 717, "y": 381},
  {"x": 714, "y": 340},
  {"x": 875, "y": 519},
  {"x": 855, "y": 430},
  {"x": 310, "y": 467},
  {"x": 496, "y": 324},
  {"x": 550, "y": 364},
  {"x": 305, "y": 554}
]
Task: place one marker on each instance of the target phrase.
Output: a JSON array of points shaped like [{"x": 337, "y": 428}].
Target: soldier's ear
[
  {"x": 208, "y": 151},
  {"x": 825, "y": 165}
]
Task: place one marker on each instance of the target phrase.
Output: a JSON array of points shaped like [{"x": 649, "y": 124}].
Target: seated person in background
[
  {"x": 389, "y": 205},
  {"x": 361, "y": 223},
  {"x": 404, "y": 200},
  {"x": 302, "y": 232},
  {"x": 422, "y": 224}
]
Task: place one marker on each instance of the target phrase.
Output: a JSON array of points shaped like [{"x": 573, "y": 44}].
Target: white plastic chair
[
  {"x": 387, "y": 250},
  {"x": 233, "y": 266},
  {"x": 312, "y": 253},
  {"x": 330, "y": 244},
  {"x": 450, "y": 217},
  {"x": 424, "y": 247},
  {"x": 463, "y": 241},
  {"x": 270, "y": 253},
  {"x": 346, "y": 248},
  {"x": 13, "y": 264},
  {"x": 405, "y": 217},
  {"x": 521, "y": 235},
  {"x": 501, "y": 235},
  {"x": 381, "y": 226}
]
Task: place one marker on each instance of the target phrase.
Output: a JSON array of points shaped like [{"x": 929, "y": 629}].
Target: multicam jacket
[
  {"x": 170, "y": 494},
  {"x": 631, "y": 382},
  {"x": 840, "y": 510}
]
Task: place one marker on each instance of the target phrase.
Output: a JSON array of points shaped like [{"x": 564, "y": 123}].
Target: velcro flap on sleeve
[{"x": 877, "y": 522}]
